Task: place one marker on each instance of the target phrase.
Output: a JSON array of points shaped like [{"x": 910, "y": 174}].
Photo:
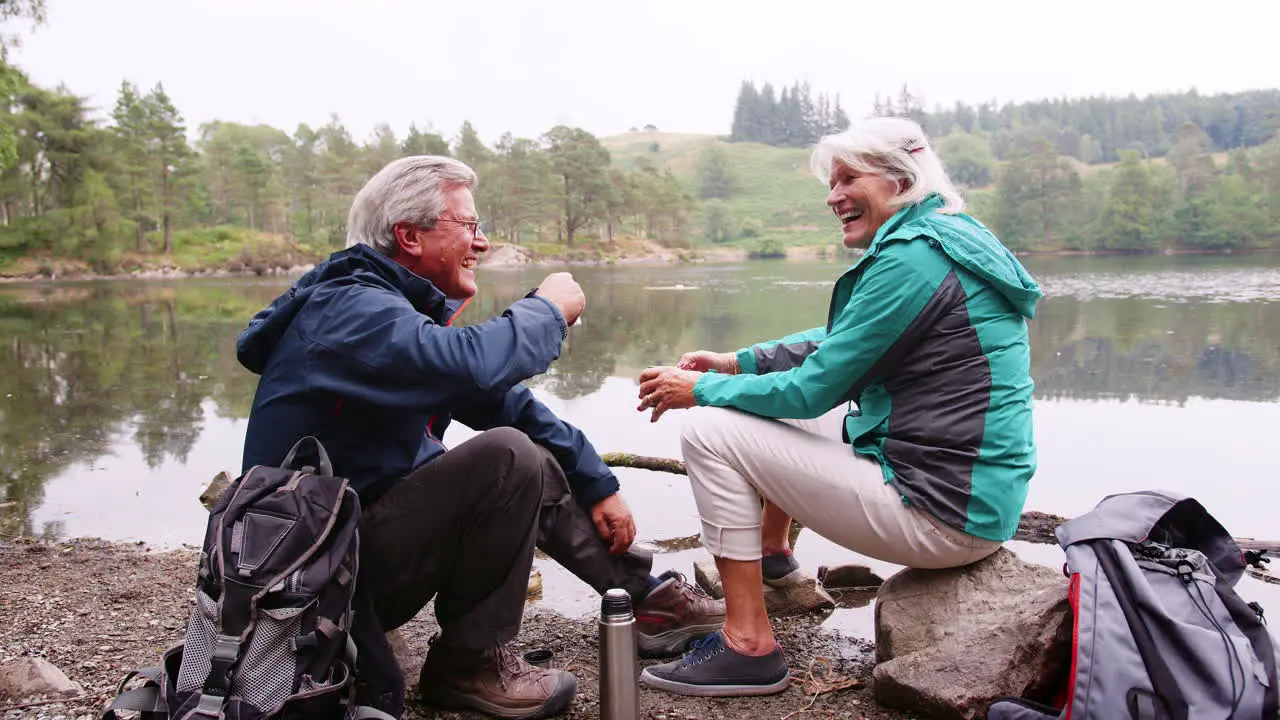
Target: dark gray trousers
[{"x": 462, "y": 529}]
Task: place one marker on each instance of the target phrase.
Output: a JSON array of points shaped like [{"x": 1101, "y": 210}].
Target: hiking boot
[
  {"x": 496, "y": 682},
  {"x": 713, "y": 669},
  {"x": 673, "y": 614}
]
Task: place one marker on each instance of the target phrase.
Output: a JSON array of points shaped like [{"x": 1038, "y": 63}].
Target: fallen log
[{"x": 1033, "y": 527}]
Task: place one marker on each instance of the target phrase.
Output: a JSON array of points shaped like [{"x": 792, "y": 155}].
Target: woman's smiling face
[{"x": 863, "y": 202}]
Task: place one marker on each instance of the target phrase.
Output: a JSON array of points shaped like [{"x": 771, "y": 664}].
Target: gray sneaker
[{"x": 713, "y": 669}]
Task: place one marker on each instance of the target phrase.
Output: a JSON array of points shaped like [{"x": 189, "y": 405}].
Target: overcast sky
[{"x": 604, "y": 65}]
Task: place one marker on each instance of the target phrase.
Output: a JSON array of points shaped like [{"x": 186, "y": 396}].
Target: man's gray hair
[
  {"x": 892, "y": 147},
  {"x": 410, "y": 189}
]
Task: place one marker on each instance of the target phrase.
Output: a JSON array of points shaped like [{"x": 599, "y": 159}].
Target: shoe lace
[
  {"x": 685, "y": 584},
  {"x": 702, "y": 650},
  {"x": 508, "y": 664}
]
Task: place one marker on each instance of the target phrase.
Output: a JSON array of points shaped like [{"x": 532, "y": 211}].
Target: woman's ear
[{"x": 904, "y": 185}]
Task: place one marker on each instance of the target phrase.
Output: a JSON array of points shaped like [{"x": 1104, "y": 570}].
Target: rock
[
  {"x": 707, "y": 576},
  {"x": 217, "y": 486},
  {"x": 506, "y": 256},
  {"x": 853, "y": 597},
  {"x": 848, "y": 576},
  {"x": 801, "y": 596},
  {"x": 950, "y": 641},
  {"x": 534, "y": 591},
  {"x": 30, "y": 676}
]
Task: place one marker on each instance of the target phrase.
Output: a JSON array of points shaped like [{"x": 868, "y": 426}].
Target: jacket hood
[
  {"x": 968, "y": 243},
  {"x": 358, "y": 264}
]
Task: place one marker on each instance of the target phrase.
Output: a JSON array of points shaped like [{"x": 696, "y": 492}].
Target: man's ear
[{"x": 407, "y": 239}]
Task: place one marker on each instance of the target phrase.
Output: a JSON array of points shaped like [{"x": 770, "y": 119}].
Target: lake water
[{"x": 120, "y": 400}]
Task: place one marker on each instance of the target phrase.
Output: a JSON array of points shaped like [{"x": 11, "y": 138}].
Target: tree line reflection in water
[{"x": 88, "y": 366}]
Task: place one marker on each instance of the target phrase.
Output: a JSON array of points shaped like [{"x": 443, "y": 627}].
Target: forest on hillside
[
  {"x": 1091, "y": 130},
  {"x": 1165, "y": 172},
  {"x": 72, "y": 186}
]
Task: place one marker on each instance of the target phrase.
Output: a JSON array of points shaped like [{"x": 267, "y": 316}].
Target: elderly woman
[{"x": 927, "y": 334}]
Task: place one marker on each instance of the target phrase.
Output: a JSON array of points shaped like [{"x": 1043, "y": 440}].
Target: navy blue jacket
[{"x": 359, "y": 353}]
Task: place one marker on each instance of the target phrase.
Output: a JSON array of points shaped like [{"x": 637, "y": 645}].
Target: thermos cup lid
[{"x": 615, "y": 602}]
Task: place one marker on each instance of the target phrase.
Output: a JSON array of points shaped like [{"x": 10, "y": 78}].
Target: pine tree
[
  {"x": 417, "y": 142},
  {"x": 169, "y": 155},
  {"x": 469, "y": 149},
  {"x": 745, "y": 123},
  {"x": 130, "y": 116},
  {"x": 581, "y": 163}
]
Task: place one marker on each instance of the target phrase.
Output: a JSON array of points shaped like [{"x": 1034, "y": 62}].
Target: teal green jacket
[{"x": 927, "y": 334}]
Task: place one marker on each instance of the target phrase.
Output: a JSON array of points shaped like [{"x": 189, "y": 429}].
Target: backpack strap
[
  {"x": 144, "y": 699},
  {"x": 1250, "y": 623},
  {"x": 326, "y": 467},
  {"x": 1162, "y": 680},
  {"x": 217, "y": 684}
]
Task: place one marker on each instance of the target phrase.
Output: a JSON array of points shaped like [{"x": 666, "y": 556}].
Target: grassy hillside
[
  {"x": 775, "y": 190},
  {"x": 775, "y": 187}
]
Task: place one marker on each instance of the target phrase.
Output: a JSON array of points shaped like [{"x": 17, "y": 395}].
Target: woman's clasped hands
[{"x": 664, "y": 388}]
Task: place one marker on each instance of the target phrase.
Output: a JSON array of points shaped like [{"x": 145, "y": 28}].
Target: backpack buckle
[
  {"x": 210, "y": 705},
  {"x": 1257, "y": 610},
  {"x": 226, "y": 650}
]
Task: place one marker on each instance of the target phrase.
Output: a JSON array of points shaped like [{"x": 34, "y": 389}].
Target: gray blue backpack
[
  {"x": 1159, "y": 632},
  {"x": 269, "y": 635}
]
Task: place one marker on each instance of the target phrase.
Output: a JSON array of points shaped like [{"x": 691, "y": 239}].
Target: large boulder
[{"x": 950, "y": 641}]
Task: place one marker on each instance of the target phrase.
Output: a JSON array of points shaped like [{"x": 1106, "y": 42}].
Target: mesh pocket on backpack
[
  {"x": 264, "y": 677},
  {"x": 267, "y": 670},
  {"x": 197, "y": 645}
]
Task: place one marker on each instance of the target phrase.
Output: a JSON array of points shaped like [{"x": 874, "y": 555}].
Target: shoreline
[
  {"x": 513, "y": 257},
  {"x": 97, "y": 609}
]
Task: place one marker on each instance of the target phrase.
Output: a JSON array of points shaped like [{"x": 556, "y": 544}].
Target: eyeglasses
[{"x": 473, "y": 224}]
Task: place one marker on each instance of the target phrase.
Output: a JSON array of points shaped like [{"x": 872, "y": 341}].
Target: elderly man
[{"x": 360, "y": 353}]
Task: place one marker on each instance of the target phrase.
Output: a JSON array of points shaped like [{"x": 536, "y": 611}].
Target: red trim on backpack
[
  {"x": 337, "y": 408},
  {"x": 1073, "y": 597}
]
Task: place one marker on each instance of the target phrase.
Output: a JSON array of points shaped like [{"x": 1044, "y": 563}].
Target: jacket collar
[
  {"x": 425, "y": 297},
  {"x": 895, "y": 228}
]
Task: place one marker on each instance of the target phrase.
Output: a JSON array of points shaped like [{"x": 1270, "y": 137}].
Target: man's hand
[
  {"x": 562, "y": 290},
  {"x": 706, "y": 361},
  {"x": 614, "y": 523},
  {"x": 667, "y": 388}
]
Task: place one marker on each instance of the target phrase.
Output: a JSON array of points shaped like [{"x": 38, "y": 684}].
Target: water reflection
[
  {"x": 120, "y": 397},
  {"x": 94, "y": 370}
]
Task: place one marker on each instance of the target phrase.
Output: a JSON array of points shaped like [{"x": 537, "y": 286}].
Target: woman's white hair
[
  {"x": 410, "y": 189},
  {"x": 892, "y": 147}
]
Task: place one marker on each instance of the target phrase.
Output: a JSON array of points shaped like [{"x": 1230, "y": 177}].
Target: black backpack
[{"x": 269, "y": 634}]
